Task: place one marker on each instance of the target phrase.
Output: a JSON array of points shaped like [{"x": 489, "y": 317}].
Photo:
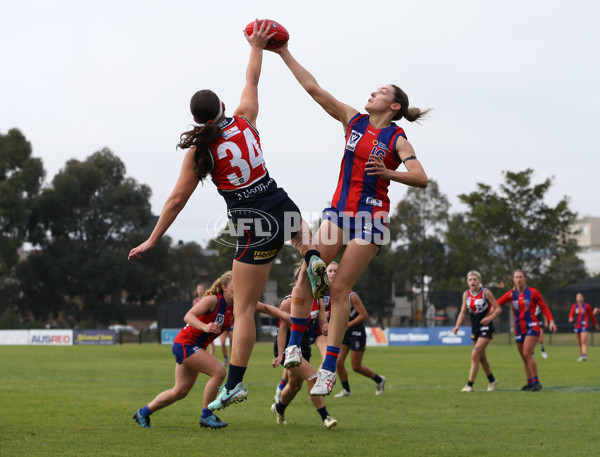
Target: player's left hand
[
  {"x": 277, "y": 360},
  {"x": 376, "y": 167}
]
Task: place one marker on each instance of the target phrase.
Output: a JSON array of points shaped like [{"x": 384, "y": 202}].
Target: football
[{"x": 281, "y": 34}]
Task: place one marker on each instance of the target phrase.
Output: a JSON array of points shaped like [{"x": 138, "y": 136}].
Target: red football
[{"x": 281, "y": 34}]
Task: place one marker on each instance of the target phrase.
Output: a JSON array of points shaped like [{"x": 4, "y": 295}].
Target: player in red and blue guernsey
[
  {"x": 205, "y": 321},
  {"x": 581, "y": 314},
  {"x": 524, "y": 301},
  {"x": 356, "y": 223}
]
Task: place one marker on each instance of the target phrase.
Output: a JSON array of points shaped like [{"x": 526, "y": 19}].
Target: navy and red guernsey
[
  {"x": 314, "y": 311},
  {"x": 237, "y": 155},
  {"x": 477, "y": 303},
  {"x": 356, "y": 191},
  {"x": 523, "y": 306},
  {"x": 582, "y": 315},
  {"x": 221, "y": 314}
]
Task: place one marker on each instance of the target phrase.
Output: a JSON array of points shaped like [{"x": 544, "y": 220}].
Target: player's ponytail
[
  {"x": 219, "y": 285},
  {"x": 410, "y": 113},
  {"x": 207, "y": 109}
]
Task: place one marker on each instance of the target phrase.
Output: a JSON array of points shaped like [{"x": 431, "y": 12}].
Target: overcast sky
[{"x": 513, "y": 84}]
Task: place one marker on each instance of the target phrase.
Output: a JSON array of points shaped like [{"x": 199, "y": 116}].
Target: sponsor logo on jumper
[
  {"x": 374, "y": 202},
  {"x": 231, "y": 132},
  {"x": 253, "y": 191}
]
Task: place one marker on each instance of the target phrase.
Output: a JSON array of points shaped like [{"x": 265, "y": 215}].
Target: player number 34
[{"x": 231, "y": 150}]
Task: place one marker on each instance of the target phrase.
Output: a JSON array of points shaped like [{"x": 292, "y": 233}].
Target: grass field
[{"x": 78, "y": 401}]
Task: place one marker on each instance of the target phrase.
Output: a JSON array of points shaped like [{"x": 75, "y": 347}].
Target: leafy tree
[
  {"x": 185, "y": 264},
  {"x": 83, "y": 226},
  {"x": 563, "y": 270},
  {"x": 418, "y": 224},
  {"x": 21, "y": 178},
  {"x": 375, "y": 285},
  {"x": 511, "y": 228}
]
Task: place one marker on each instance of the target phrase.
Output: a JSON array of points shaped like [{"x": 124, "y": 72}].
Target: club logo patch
[{"x": 353, "y": 139}]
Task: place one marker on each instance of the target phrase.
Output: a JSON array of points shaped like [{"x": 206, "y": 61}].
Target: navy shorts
[
  {"x": 362, "y": 226},
  {"x": 261, "y": 234},
  {"x": 530, "y": 332},
  {"x": 356, "y": 338},
  {"x": 182, "y": 352}
]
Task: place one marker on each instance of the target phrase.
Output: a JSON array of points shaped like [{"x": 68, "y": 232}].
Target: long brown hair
[
  {"x": 205, "y": 106},
  {"x": 219, "y": 285},
  {"x": 410, "y": 113}
]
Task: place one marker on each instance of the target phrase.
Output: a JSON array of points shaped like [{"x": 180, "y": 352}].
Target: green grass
[{"x": 78, "y": 401}]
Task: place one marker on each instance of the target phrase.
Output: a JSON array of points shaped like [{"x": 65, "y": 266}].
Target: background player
[
  {"x": 204, "y": 322},
  {"x": 581, "y": 313},
  {"x": 481, "y": 304},
  {"x": 355, "y": 342},
  {"x": 524, "y": 300},
  {"x": 303, "y": 372}
]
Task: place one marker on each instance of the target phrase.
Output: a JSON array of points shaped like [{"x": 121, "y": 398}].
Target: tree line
[{"x": 78, "y": 228}]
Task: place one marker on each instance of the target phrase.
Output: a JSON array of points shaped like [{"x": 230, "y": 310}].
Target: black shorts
[
  {"x": 478, "y": 330},
  {"x": 261, "y": 234},
  {"x": 356, "y": 338},
  {"x": 304, "y": 346}
]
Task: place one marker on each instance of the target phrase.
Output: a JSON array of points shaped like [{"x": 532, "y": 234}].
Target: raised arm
[
  {"x": 185, "y": 186},
  {"x": 336, "y": 109},
  {"x": 248, "y": 107}
]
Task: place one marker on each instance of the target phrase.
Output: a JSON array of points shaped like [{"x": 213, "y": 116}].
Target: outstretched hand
[
  {"x": 136, "y": 253},
  {"x": 260, "y": 37}
]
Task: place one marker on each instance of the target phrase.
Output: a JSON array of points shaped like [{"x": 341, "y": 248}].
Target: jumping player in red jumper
[
  {"x": 524, "y": 300},
  {"x": 357, "y": 219},
  {"x": 581, "y": 313},
  {"x": 228, "y": 150}
]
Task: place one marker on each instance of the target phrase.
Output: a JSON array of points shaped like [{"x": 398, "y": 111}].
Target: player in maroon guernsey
[
  {"x": 206, "y": 320},
  {"x": 524, "y": 301},
  {"x": 480, "y": 303},
  {"x": 303, "y": 372},
  {"x": 262, "y": 215},
  {"x": 357, "y": 220},
  {"x": 355, "y": 343},
  {"x": 581, "y": 314}
]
